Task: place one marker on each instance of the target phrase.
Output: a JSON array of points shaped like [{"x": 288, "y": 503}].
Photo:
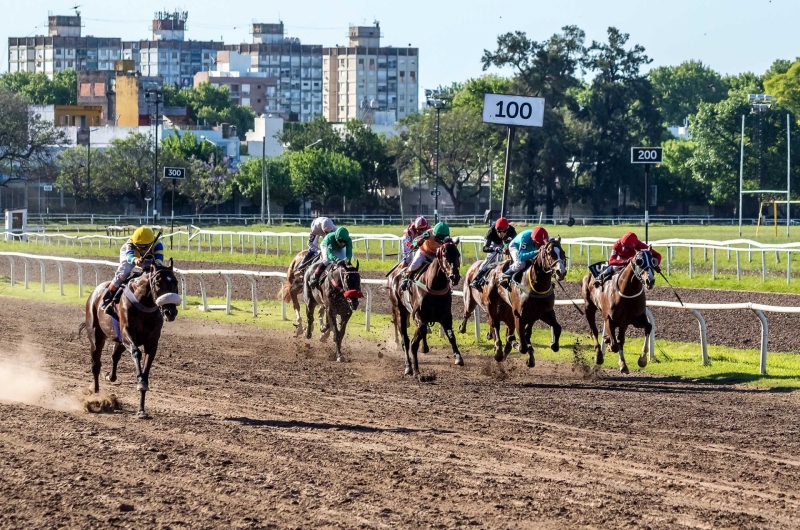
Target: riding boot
[
  {"x": 308, "y": 258},
  {"x": 505, "y": 279},
  {"x": 603, "y": 276},
  {"x": 478, "y": 282},
  {"x": 109, "y": 298},
  {"x": 314, "y": 282},
  {"x": 405, "y": 283}
]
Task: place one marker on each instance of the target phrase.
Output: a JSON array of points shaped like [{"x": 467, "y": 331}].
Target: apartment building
[
  {"x": 168, "y": 55},
  {"x": 64, "y": 48},
  {"x": 295, "y": 68},
  {"x": 364, "y": 78}
]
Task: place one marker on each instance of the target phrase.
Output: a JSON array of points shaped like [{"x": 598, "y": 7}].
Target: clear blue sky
[{"x": 731, "y": 36}]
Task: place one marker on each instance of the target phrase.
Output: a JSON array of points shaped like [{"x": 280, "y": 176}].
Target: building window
[
  {"x": 58, "y": 64},
  {"x": 341, "y": 62},
  {"x": 258, "y": 100},
  {"x": 85, "y": 89},
  {"x": 361, "y": 61},
  {"x": 341, "y": 109}
]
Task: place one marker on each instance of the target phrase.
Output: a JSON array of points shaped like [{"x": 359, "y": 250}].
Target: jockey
[
  {"x": 499, "y": 236},
  {"x": 335, "y": 247},
  {"x": 524, "y": 248},
  {"x": 130, "y": 256},
  {"x": 427, "y": 244},
  {"x": 622, "y": 252},
  {"x": 412, "y": 232},
  {"x": 320, "y": 227}
]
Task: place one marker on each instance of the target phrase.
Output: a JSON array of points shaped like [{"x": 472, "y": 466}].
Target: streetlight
[
  {"x": 265, "y": 175},
  {"x": 436, "y": 99},
  {"x": 313, "y": 144},
  {"x": 154, "y": 96},
  {"x": 216, "y": 148},
  {"x": 89, "y": 131}
]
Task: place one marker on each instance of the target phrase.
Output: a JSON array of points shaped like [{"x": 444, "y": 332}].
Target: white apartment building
[
  {"x": 62, "y": 49},
  {"x": 364, "y": 77}
]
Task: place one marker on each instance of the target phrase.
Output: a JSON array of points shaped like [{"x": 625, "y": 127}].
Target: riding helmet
[
  {"x": 143, "y": 236},
  {"x": 342, "y": 234},
  {"x": 441, "y": 230},
  {"x": 629, "y": 240},
  {"x": 420, "y": 223},
  {"x": 501, "y": 224},
  {"x": 540, "y": 235}
]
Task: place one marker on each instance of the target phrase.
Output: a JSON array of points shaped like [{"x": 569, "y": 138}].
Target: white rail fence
[
  {"x": 388, "y": 246},
  {"x": 694, "y": 309}
]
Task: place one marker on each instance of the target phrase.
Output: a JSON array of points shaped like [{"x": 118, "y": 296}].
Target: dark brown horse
[
  {"x": 622, "y": 303},
  {"x": 337, "y": 296},
  {"x": 479, "y": 298},
  {"x": 428, "y": 301},
  {"x": 293, "y": 287},
  {"x": 147, "y": 301},
  {"x": 531, "y": 298}
]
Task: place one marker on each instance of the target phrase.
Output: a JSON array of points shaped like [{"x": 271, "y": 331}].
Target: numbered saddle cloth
[{"x": 597, "y": 268}]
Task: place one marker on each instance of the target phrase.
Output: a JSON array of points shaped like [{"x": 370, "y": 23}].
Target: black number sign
[
  {"x": 646, "y": 155},
  {"x": 174, "y": 173}
]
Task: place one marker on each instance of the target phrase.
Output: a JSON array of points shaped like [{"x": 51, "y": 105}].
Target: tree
[
  {"x": 130, "y": 166},
  {"x": 786, "y": 87},
  {"x": 25, "y": 138},
  {"x": 249, "y": 178},
  {"x": 185, "y": 146},
  {"x": 369, "y": 150},
  {"x": 207, "y": 183},
  {"x": 38, "y": 89},
  {"x": 296, "y": 136},
  {"x": 211, "y": 106},
  {"x": 322, "y": 175},
  {"x": 680, "y": 89}
]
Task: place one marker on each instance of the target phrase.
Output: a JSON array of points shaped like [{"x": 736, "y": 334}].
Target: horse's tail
[
  {"x": 285, "y": 293},
  {"x": 81, "y": 329}
]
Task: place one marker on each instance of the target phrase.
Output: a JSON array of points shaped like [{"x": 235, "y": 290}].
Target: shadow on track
[{"x": 295, "y": 424}]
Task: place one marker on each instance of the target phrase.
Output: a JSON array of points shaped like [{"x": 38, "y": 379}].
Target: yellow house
[{"x": 77, "y": 115}]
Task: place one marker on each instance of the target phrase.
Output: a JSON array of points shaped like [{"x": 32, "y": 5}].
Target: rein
[{"x": 619, "y": 291}]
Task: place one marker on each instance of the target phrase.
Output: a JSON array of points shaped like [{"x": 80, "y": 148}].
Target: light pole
[
  {"x": 312, "y": 144},
  {"x": 265, "y": 175},
  {"x": 436, "y": 99},
  {"x": 89, "y": 131},
  {"x": 154, "y": 96}
]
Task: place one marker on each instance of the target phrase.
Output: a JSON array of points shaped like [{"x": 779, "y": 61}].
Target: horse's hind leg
[
  {"x": 643, "y": 322},
  {"x": 447, "y": 324},
  {"x": 469, "y": 308},
  {"x": 115, "y": 357},
  {"x": 338, "y": 333},
  {"x": 550, "y": 320},
  {"x": 298, "y": 319},
  {"x": 427, "y": 328},
  {"x": 96, "y": 348},
  {"x": 310, "y": 306},
  {"x": 494, "y": 324}
]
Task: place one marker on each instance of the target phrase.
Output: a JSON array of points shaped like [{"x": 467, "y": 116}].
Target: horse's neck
[
  {"x": 541, "y": 280},
  {"x": 436, "y": 277},
  {"x": 629, "y": 284},
  {"x": 141, "y": 289}
]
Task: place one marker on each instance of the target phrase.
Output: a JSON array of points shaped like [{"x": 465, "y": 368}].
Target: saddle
[{"x": 596, "y": 268}]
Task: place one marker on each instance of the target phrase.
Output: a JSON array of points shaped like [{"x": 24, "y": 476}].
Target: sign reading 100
[{"x": 505, "y": 109}]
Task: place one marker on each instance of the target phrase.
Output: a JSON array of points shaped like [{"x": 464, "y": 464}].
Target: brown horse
[
  {"x": 622, "y": 303},
  {"x": 429, "y": 301},
  {"x": 337, "y": 296},
  {"x": 475, "y": 298},
  {"x": 531, "y": 298},
  {"x": 293, "y": 287},
  {"x": 147, "y": 301}
]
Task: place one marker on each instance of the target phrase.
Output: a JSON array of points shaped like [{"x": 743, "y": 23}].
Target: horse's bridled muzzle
[
  {"x": 169, "y": 298},
  {"x": 170, "y": 312}
]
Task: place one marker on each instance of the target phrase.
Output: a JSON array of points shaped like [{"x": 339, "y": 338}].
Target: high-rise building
[
  {"x": 364, "y": 78},
  {"x": 294, "y": 71},
  {"x": 64, "y": 48},
  {"x": 168, "y": 54}
]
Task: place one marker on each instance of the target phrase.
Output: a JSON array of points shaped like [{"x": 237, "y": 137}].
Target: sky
[{"x": 731, "y": 36}]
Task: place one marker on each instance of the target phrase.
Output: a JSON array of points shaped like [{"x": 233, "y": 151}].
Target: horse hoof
[
  {"x": 623, "y": 369},
  {"x": 599, "y": 358},
  {"x": 642, "y": 361},
  {"x": 531, "y": 362},
  {"x": 408, "y": 371},
  {"x": 340, "y": 358},
  {"x": 142, "y": 415},
  {"x": 425, "y": 349},
  {"x": 498, "y": 356},
  {"x": 111, "y": 379},
  {"x": 554, "y": 346},
  {"x": 462, "y": 328},
  {"x": 142, "y": 386},
  {"x": 459, "y": 360}
]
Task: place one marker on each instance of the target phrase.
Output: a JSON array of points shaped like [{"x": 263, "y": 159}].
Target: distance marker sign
[
  {"x": 646, "y": 155},
  {"x": 504, "y": 109},
  {"x": 174, "y": 173}
]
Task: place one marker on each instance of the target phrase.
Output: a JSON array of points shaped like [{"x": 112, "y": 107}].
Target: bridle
[
  {"x": 441, "y": 258},
  {"x": 641, "y": 263},
  {"x": 552, "y": 262},
  {"x": 343, "y": 285}
]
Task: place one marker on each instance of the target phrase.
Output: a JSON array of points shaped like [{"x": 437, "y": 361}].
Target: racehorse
[
  {"x": 622, "y": 303},
  {"x": 474, "y": 298},
  {"x": 147, "y": 301},
  {"x": 531, "y": 298},
  {"x": 293, "y": 287},
  {"x": 337, "y": 296},
  {"x": 428, "y": 301}
]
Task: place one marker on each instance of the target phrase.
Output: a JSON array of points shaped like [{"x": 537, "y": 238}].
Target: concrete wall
[
  {"x": 127, "y": 101},
  {"x": 265, "y": 127}
]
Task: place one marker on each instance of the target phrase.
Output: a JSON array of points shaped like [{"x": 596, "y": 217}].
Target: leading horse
[
  {"x": 622, "y": 303},
  {"x": 337, "y": 295},
  {"x": 293, "y": 286},
  {"x": 147, "y": 301},
  {"x": 531, "y": 298},
  {"x": 427, "y": 302}
]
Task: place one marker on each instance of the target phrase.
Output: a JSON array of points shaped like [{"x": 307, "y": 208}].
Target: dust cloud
[{"x": 24, "y": 380}]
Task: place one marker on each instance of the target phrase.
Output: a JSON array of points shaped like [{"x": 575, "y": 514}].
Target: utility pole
[{"x": 155, "y": 96}]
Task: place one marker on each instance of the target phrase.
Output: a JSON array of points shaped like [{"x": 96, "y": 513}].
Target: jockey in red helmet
[
  {"x": 412, "y": 232},
  {"x": 495, "y": 242},
  {"x": 622, "y": 252}
]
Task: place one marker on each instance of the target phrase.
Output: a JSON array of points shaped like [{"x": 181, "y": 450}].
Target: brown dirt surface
[
  {"x": 252, "y": 428},
  {"x": 736, "y": 329}
]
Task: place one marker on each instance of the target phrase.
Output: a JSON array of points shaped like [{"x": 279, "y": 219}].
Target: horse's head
[
  {"x": 643, "y": 268},
  {"x": 553, "y": 258},
  {"x": 164, "y": 286},
  {"x": 350, "y": 279},
  {"x": 450, "y": 260}
]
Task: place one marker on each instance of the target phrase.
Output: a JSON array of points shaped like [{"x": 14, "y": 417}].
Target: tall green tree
[
  {"x": 680, "y": 89},
  {"x": 207, "y": 184},
  {"x": 249, "y": 179},
  {"x": 211, "y": 106},
  {"x": 130, "y": 167},
  {"x": 38, "y": 89},
  {"x": 324, "y": 176}
]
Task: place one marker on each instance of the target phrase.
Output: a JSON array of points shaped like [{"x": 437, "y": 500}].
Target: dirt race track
[{"x": 255, "y": 429}]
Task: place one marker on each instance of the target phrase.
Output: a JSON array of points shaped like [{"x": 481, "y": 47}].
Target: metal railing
[{"x": 694, "y": 309}]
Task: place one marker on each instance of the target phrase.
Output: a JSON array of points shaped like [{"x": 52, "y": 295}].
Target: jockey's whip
[
  {"x": 393, "y": 269},
  {"x": 671, "y": 287},
  {"x": 570, "y": 299}
]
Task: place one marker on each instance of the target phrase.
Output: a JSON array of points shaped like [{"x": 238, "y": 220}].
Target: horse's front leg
[
  {"x": 494, "y": 324},
  {"x": 96, "y": 344},
  {"x": 550, "y": 320},
  {"x": 115, "y": 357},
  {"x": 643, "y": 322},
  {"x": 338, "y": 332},
  {"x": 403, "y": 324},
  {"x": 143, "y": 386},
  {"x": 310, "y": 306},
  {"x": 526, "y": 332},
  {"x": 419, "y": 333},
  {"x": 447, "y": 324},
  {"x": 623, "y": 367},
  {"x": 611, "y": 335},
  {"x": 298, "y": 320}
]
